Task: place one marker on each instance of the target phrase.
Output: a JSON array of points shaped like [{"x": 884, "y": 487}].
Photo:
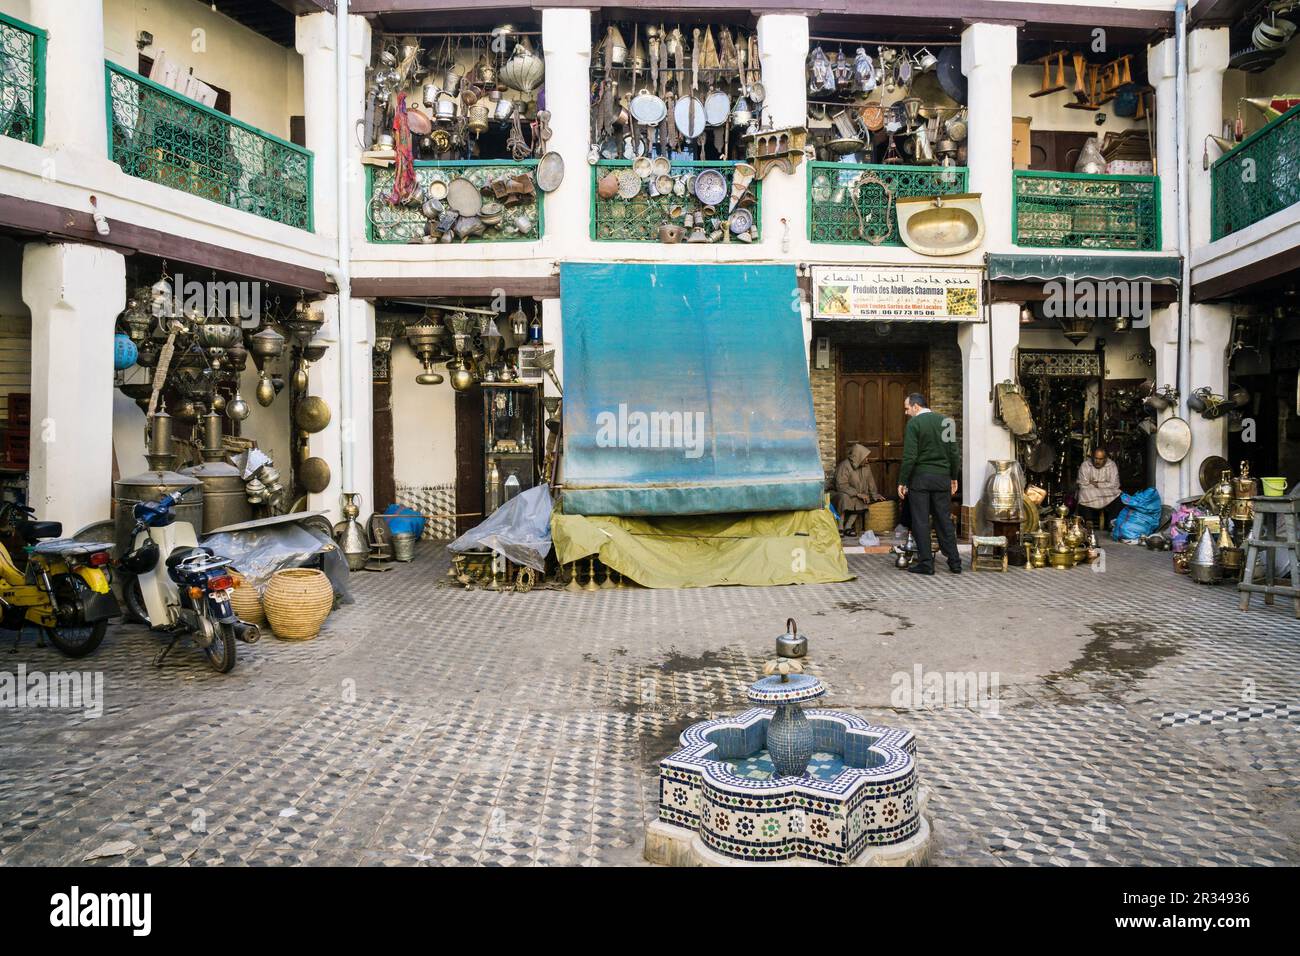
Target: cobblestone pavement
[{"x": 1141, "y": 719}]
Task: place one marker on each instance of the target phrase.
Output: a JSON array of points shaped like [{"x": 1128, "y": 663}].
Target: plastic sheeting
[
  {"x": 520, "y": 529},
  {"x": 789, "y": 547},
  {"x": 686, "y": 391},
  {"x": 257, "y": 553}
]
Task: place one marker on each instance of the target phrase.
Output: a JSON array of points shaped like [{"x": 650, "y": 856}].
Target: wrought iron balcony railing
[
  {"x": 22, "y": 80},
  {"x": 1259, "y": 177},
  {"x": 1080, "y": 211},
  {"x": 513, "y": 208},
  {"x": 854, "y": 202},
  {"x": 159, "y": 135},
  {"x": 637, "y": 219}
]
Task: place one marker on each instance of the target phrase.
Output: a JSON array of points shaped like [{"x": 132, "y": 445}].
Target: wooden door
[
  {"x": 385, "y": 482},
  {"x": 1056, "y": 150},
  {"x": 469, "y": 459},
  {"x": 871, "y": 387}
]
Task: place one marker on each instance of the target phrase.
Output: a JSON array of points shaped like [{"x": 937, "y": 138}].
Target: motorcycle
[
  {"x": 65, "y": 590},
  {"x": 179, "y": 587}
]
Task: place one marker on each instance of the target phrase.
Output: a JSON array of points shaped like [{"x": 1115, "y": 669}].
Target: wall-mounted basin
[{"x": 941, "y": 225}]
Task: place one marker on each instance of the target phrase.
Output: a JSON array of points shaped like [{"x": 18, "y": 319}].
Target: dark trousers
[
  {"x": 932, "y": 495},
  {"x": 1093, "y": 515}
]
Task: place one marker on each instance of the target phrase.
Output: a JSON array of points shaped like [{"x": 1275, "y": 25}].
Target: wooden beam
[
  {"x": 60, "y": 224},
  {"x": 416, "y": 287},
  {"x": 301, "y": 7},
  {"x": 1218, "y": 13},
  {"x": 1262, "y": 272},
  {"x": 973, "y": 10}
]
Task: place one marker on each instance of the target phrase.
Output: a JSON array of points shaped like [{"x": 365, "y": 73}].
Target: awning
[
  {"x": 1006, "y": 267},
  {"x": 685, "y": 391}
]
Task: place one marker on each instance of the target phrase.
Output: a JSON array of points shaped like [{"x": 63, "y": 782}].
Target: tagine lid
[{"x": 792, "y": 690}]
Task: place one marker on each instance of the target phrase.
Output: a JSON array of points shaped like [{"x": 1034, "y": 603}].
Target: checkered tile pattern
[{"x": 428, "y": 725}]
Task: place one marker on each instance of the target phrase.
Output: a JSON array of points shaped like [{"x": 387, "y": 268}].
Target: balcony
[
  {"x": 846, "y": 204},
  {"x": 22, "y": 80},
  {"x": 166, "y": 138},
  {"x": 1259, "y": 177},
  {"x": 512, "y": 209},
  {"x": 637, "y": 217},
  {"x": 1079, "y": 211}
]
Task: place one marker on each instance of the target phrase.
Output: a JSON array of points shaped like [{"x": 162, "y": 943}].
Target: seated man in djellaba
[{"x": 855, "y": 486}]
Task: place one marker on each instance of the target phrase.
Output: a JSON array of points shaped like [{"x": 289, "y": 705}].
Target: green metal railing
[
  {"x": 842, "y": 208},
  {"x": 499, "y": 180},
  {"x": 159, "y": 135},
  {"x": 22, "y": 80},
  {"x": 1081, "y": 211},
  {"x": 638, "y": 219},
  {"x": 1257, "y": 178}
]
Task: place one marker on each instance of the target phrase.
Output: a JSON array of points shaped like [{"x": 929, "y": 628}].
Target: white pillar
[
  {"x": 1162, "y": 73},
  {"x": 783, "y": 54},
  {"x": 74, "y": 77},
  {"x": 324, "y": 380},
  {"x": 553, "y": 337},
  {"x": 982, "y": 438},
  {"x": 1207, "y": 58},
  {"x": 359, "y": 43},
  {"x": 566, "y": 47},
  {"x": 315, "y": 42},
  {"x": 1164, "y": 339},
  {"x": 988, "y": 54},
  {"x": 75, "y": 293},
  {"x": 1211, "y": 329}
]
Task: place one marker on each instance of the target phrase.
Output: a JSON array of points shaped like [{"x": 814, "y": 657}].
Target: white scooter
[{"x": 179, "y": 587}]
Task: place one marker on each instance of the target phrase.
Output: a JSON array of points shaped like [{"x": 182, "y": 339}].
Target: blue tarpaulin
[{"x": 686, "y": 391}]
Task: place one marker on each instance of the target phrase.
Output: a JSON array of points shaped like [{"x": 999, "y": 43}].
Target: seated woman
[
  {"x": 855, "y": 486},
  {"x": 1099, "y": 489}
]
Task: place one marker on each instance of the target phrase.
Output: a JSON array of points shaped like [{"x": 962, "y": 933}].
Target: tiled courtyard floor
[{"x": 1142, "y": 720}]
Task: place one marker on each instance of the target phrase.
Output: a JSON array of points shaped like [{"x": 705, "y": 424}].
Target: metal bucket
[
  {"x": 404, "y": 546},
  {"x": 150, "y": 486}
]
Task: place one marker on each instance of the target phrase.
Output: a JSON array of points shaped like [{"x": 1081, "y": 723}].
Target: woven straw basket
[
  {"x": 882, "y": 517},
  {"x": 297, "y": 601},
  {"x": 246, "y": 602}
]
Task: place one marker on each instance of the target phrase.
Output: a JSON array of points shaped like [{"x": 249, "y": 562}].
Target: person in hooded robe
[{"x": 855, "y": 486}]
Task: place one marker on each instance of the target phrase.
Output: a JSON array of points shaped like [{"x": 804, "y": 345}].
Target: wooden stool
[
  {"x": 988, "y": 554},
  {"x": 1265, "y": 539}
]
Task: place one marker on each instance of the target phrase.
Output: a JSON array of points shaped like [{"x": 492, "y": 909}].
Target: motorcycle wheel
[
  {"x": 77, "y": 641},
  {"x": 133, "y": 598},
  {"x": 221, "y": 652}
]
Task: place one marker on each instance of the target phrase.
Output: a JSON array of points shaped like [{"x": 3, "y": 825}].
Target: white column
[
  {"x": 74, "y": 77},
  {"x": 982, "y": 438},
  {"x": 315, "y": 42},
  {"x": 1164, "y": 339},
  {"x": 1211, "y": 329},
  {"x": 1162, "y": 73},
  {"x": 1207, "y": 58},
  {"x": 783, "y": 53},
  {"x": 324, "y": 380},
  {"x": 553, "y": 337},
  {"x": 988, "y": 54},
  {"x": 566, "y": 48},
  {"x": 75, "y": 293}
]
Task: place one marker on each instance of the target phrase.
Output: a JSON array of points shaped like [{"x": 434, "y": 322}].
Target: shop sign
[{"x": 897, "y": 294}]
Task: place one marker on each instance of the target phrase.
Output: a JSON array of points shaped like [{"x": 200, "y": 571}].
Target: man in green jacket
[{"x": 928, "y": 480}]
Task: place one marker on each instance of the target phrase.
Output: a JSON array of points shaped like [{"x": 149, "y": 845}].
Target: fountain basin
[{"x": 721, "y": 802}]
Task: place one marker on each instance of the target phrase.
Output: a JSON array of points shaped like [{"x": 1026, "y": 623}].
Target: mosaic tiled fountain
[{"x": 780, "y": 784}]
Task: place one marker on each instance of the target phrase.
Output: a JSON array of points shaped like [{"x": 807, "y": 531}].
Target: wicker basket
[
  {"x": 297, "y": 601},
  {"x": 882, "y": 517},
  {"x": 246, "y": 602}
]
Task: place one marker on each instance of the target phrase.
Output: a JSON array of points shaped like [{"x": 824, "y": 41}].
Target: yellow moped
[{"x": 66, "y": 588}]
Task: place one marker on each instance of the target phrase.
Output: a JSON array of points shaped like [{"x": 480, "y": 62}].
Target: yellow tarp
[{"x": 696, "y": 551}]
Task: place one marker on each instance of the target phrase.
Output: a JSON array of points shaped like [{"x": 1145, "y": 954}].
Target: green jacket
[{"x": 925, "y": 452}]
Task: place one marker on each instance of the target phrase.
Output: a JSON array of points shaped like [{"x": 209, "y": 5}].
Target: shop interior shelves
[
  {"x": 1081, "y": 211},
  {"x": 1259, "y": 177},
  {"x": 842, "y": 208},
  {"x": 22, "y": 80},
  {"x": 164, "y": 137}
]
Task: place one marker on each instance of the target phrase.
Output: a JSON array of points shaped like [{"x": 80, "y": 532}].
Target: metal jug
[{"x": 791, "y": 643}]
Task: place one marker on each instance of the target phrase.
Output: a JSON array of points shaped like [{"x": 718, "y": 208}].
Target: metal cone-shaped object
[{"x": 1204, "y": 567}]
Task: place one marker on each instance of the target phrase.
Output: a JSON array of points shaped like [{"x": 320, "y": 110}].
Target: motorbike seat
[
  {"x": 36, "y": 530},
  {"x": 180, "y": 554}
]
